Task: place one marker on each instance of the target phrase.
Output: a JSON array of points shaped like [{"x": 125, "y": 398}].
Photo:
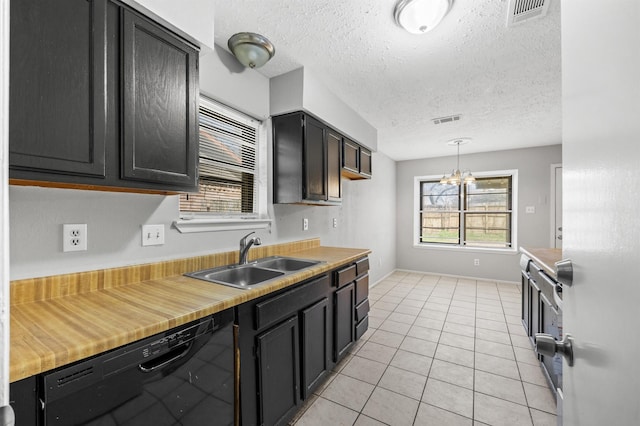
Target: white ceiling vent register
[
  {"x": 447, "y": 119},
  {"x": 524, "y": 10}
]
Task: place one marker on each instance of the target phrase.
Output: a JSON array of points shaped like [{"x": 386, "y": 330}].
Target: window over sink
[
  {"x": 475, "y": 215},
  {"x": 232, "y": 169}
]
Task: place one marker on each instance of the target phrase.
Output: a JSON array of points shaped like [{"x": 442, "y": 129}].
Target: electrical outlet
[
  {"x": 305, "y": 224},
  {"x": 74, "y": 237},
  {"x": 530, "y": 209},
  {"x": 476, "y": 262},
  {"x": 152, "y": 235},
  {"x": 335, "y": 222}
]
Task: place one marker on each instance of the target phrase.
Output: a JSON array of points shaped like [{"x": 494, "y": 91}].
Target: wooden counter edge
[{"x": 31, "y": 363}]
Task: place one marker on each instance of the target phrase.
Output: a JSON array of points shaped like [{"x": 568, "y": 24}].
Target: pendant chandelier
[{"x": 457, "y": 176}]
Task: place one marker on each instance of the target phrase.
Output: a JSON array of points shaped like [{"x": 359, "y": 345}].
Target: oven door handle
[{"x": 150, "y": 369}]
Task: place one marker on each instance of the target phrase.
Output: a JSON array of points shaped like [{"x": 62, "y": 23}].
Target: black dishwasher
[{"x": 184, "y": 376}]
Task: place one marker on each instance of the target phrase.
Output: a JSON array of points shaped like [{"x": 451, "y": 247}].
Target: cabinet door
[
  {"x": 343, "y": 317},
  {"x": 334, "y": 166},
  {"x": 278, "y": 371},
  {"x": 315, "y": 345},
  {"x": 365, "y": 162},
  {"x": 534, "y": 309},
  {"x": 159, "y": 104},
  {"x": 58, "y": 87},
  {"x": 350, "y": 156},
  {"x": 315, "y": 161},
  {"x": 526, "y": 308}
]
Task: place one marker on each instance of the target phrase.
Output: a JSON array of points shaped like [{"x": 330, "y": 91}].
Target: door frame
[
  {"x": 4, "y": 203},
  {"x": 552, "y": 203}
]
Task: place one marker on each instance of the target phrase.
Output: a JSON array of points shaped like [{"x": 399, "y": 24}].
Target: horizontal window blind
[{"x": 227, "y": 164}]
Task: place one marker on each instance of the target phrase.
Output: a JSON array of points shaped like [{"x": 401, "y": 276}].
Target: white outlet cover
[
  {"x": 74, "y": 237},
  {"x": 305, "y": 224},
  {"x": 152, "y": 235}
]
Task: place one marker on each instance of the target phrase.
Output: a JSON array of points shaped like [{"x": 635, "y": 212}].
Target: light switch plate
[{"x": 152, "y": 235}]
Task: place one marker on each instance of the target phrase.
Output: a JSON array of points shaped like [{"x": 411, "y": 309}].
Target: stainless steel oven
[{"x": 184, "y": 376}]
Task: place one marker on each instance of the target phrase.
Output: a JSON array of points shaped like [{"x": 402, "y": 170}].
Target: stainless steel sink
[
  {"x": 259, "y": 272},
  {"x": 285, "y": 263}
]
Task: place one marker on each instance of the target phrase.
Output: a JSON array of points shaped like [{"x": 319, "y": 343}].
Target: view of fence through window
[
  {"x": 227, "y": 163},
  {"x": 476, "y": 214}
]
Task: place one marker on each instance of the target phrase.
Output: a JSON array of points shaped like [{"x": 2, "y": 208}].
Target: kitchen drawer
[
  {"x": 283, "y": 305},
  {"x": 345, "y": 276},
  {"x": 362, "y": 310},
  {"x": 362, "y": 327},
  {"x": 362, "y": 266},
  {"x": 362, "y": 288}
]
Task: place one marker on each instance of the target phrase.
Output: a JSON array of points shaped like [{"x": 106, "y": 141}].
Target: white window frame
[
  {"x": 457, "y": 247},
  {"x": 189, "y": 222}
]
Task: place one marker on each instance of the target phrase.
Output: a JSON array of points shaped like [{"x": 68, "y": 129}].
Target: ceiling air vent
[
  {"x": 447, "y": 119},
  {"x": 524, "y": 10}
]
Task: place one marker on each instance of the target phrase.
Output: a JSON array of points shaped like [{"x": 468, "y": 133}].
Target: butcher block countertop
[
  {"x": 545, "y": 258},
  {"x": 62, "y": 319}
]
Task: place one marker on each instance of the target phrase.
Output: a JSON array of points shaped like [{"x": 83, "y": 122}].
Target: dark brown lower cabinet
[
  {"x": 278, "y": 371},
  {"x": 290, "y": 340},
  {"x": 315, "y": 345},
  {"x": 344, "y": 320}
]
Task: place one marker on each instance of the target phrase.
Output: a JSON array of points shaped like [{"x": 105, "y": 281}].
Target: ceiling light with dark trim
[{"x": 252, "y": 50}]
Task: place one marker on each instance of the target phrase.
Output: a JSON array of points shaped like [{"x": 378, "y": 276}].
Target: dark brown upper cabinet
[
  {"x": 58, "y": 92},
  {"x": 356, "y": 160},
  {"x": 101, "y": 97},
  {"x": 159, "y": 101},
  {"x": 307, "y": 161}
]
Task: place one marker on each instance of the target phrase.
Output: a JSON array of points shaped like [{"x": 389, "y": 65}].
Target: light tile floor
[{"x": 439, "y": 351}]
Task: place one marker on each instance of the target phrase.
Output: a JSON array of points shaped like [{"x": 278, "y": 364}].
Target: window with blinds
[{"x": 227, "y": 164}]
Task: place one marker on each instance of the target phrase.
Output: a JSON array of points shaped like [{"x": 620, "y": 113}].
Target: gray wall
[
  {"x": 365, "y": 219},
  {"x": 533, "y": 165}
]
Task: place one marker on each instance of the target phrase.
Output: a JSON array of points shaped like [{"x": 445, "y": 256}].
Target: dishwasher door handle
[{"x": 150, "y": 369}]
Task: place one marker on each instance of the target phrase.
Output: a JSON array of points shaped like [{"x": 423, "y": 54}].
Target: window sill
[
  {"x": 506, "y": 251},
  {"x": 187, "y": 226}
]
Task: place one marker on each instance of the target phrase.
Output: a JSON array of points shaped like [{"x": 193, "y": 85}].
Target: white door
[
  {"x": 4, "y": 207},
  {"x": 601, "y": 162}
]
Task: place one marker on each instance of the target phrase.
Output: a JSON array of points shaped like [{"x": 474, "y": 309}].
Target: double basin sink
[{"x": 258, "y": 272}]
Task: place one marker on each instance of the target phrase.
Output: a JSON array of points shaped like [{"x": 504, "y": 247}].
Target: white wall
[
  {"x": 301, "y": 90},
  {"x": 114, "y": 219},
  {"x": 533, "y": 165},
  {"x": 224, "y": 79}
]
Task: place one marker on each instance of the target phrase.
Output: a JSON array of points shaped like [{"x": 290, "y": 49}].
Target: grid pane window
[
  {"x": 439, "y": 213},
  {"x": 227, "y": 163},
  {"x": 477, "y": 214}
]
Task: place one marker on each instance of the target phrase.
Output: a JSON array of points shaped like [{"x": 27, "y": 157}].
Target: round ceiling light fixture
[
  {"x": 420, "y": 16},
  {"x": 252, "y": 50}
]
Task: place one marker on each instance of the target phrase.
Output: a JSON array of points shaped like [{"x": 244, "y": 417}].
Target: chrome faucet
[{"x": 246, "y": 245}]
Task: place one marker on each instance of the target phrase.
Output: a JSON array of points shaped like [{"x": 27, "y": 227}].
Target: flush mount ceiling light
[
  {"x": 251, "y": 49},
  {"x": 420, "y": 16},
  {"x": 456, "y": 175}
]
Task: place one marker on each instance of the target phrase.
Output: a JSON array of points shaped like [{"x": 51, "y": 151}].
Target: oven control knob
[{"x": 547, "y": 345}]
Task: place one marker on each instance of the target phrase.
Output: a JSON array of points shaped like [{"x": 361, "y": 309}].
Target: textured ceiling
[{"x": 505, "y": 81}]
